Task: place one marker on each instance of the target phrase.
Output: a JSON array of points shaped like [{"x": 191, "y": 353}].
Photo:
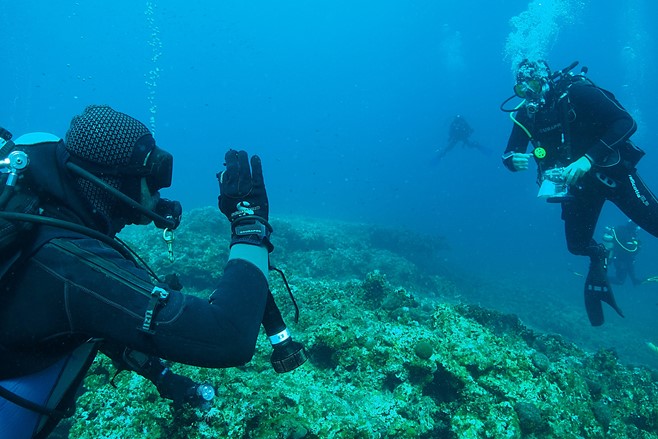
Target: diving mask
[
  {"x": 530, "y": 89},
  {"x": 532, "y": 83}
]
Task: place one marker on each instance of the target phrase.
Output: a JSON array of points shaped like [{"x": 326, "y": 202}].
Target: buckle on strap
[
  {"x": 158, "y": 296},
  {"x": 610, "y": 182}
]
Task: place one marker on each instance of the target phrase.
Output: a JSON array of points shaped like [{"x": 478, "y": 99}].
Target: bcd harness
[{"x": 19, "y": 212}]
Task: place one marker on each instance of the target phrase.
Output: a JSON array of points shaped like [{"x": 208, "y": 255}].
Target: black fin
[
  {"x": 593, "y": 307},
  {"x": 597, "y": 290}
]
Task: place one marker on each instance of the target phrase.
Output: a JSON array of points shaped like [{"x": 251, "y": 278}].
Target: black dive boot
[{"x": 597, "y": 287}]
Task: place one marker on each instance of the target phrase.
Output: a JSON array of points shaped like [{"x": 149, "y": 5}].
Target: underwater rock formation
[{"x": 391, "y": 354}]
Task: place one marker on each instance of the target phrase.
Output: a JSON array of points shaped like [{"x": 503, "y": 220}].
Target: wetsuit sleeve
[
  {"x": 517, "y": 143},
  {"x": 94, "y": 291},
  {"x": 611, "y": 124}
]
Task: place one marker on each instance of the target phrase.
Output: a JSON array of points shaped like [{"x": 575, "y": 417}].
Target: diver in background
[
  {"x": 460, "y": 132},
  {"x": 580, "y": 136},
  {"x": 623, "y": 245}
]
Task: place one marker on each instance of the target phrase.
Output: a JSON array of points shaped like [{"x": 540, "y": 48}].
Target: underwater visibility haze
[{"x": 347, "y": 103}]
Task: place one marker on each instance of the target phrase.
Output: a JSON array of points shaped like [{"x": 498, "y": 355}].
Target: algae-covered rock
[
  {"x": 530, "y": 419},
  {"x": 375, "y": 287},
  {"x": 540, "y": 361},
  {"x": 391, "y": 355},
  {"x": 423, "y": 349},
  {"x": 602, "y": 413}
]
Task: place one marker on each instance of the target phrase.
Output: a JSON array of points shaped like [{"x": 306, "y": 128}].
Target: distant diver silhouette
[{"x": 460, "y": 133}]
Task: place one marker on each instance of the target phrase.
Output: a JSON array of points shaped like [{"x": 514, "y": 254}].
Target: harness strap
[
  {"x": 59, "y": 399},
  {"x": 563, "y": 110},
  {"x": 26, "y": 403}
]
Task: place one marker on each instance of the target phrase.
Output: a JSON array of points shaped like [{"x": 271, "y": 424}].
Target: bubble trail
[{"x": 153, "y": 74}]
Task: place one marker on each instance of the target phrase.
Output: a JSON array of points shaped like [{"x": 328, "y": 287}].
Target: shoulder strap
[{"x": 564, "y": 109}]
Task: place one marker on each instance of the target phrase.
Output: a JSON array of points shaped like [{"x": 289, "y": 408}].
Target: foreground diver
[
  {"x": 69, "y": 290},
  {"x": 459, "y": 133},
  {"x": 580, "y": 136}
]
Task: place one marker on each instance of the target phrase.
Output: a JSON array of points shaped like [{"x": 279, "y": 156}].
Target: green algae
[{"x": 367, "y": 312}]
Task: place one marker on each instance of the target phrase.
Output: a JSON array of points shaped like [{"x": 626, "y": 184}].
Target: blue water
[{"x": 346, "y": 102}]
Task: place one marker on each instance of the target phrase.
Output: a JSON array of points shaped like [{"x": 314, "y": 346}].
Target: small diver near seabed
[{"x": 459, "y": 133}]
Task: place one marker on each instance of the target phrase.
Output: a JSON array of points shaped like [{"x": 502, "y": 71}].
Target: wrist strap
[{"x": 251, "y": 230}]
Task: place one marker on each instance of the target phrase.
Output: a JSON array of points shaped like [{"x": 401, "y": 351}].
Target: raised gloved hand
[
  {"x": 576, "y": 170},
  {"x": 243, "y": 199},
  {"x": 241, "y": 189}
]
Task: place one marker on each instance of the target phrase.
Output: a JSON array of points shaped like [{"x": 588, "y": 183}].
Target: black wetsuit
[
  {"x": 74, "y": 288},
  {"x": 594, "y": 124}
]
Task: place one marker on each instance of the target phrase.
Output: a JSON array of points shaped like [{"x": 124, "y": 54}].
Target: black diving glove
[
  {"x": 178, "y": 388},
  {"x": 181, "y": 389},
  {"x": 170, "y": 211},
  {"x": 243, "y": 199},
  {"x": 241, "y": 189}
]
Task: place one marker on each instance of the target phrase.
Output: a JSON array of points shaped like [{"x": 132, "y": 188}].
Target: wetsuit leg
[
  {"x": 442, "y": 152},
  {"x": 636, "y": 200},
  {"x": 580, "y": 216},
  {"x": 631, "y": 273},
  {"x": 621, "y": 272},
  {"x": 626, "y": 269}
]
